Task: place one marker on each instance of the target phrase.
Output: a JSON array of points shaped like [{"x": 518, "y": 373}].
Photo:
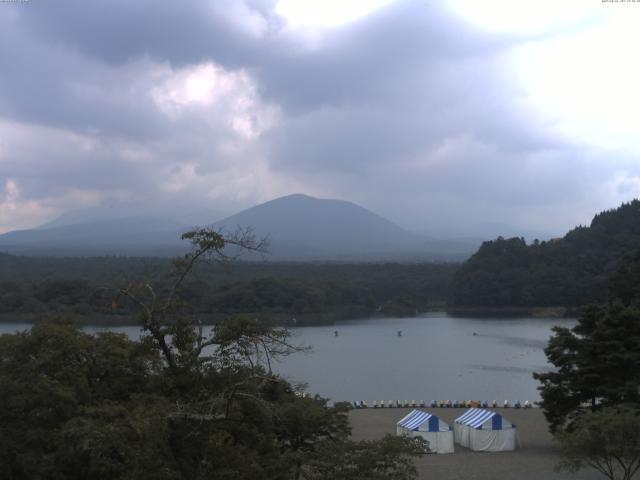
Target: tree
[
  {"x": 385, "y": 459},
  {"x": 64, "y": 391},
  {"x": 597, "y": 363},
  {"x": 607, "y": 440},
  {"x": 178, "y": 404},
  {"x": 166, "y": 316}
]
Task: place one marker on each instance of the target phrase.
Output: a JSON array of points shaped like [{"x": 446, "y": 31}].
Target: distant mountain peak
[
  {"x": 301, "y": 227},
  {"x": 295, "y": 196}
]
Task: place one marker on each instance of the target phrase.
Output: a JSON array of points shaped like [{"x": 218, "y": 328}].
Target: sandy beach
[{"x": 535, "y": 460}]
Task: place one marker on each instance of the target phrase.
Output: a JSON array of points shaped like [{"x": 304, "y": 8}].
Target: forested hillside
[
  {"x": 33, "y": 288},
  {"x": 571, "y": 271}
]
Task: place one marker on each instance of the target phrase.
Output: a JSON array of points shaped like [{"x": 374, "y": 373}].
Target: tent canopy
[
  {"x": 478, "y": 418},
  {"x": 437, "y": 433},
  {"x": 424, "y": 421}
]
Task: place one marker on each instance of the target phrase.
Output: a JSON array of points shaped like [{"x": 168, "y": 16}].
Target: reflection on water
[
  {"x": 523, "y": 342},
  {"x": 437, "y": 357}
]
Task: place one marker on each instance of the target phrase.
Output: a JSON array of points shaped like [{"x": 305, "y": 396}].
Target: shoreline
[
  {"x": 534, "y": 312},
  {"x": 209, "y": 319},
  {"x": 304, "y": 320},
  {"x": 535, "y": 459}
]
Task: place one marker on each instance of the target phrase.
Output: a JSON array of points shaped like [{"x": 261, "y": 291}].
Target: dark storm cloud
[
  {"x": 45, "y": 84},
  {"x": 349, "y": 65},
  {"x": 408, "y": 111},
  {"x": 400, "y": 107},
  {"x": 117, "y": 31}
]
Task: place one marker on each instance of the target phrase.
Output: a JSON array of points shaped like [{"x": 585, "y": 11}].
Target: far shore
[
  {"x": 535, "y": 312},
  {"x": 300, "y": 320},
  {"x": 114, "y": 320}
]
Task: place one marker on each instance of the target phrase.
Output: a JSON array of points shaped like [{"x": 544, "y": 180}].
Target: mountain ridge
[
  {"x": 300, "y": 228},
  {"x": 301, "y": 222}
]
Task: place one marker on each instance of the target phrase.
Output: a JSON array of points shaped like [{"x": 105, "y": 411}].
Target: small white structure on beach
[
  {"x": 423, "y": 424},
  {"x": 485, "y": 431}
]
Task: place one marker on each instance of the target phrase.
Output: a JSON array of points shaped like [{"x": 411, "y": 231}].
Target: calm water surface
[{"x": 437, "y": 357}]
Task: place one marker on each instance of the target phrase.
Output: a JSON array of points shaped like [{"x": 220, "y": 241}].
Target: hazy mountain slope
[
  {"x": 300, "y": 228},
  {"x": 299, "y": 225},
  {"x": 118, "y": 236}
]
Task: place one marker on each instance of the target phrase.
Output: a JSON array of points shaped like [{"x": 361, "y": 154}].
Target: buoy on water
[{"x": 399, "y": 333}]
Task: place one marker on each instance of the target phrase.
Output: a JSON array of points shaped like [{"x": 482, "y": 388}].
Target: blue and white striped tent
[
  {"x": 426, "y": 425},
  {"x": 485, "y": 430}
]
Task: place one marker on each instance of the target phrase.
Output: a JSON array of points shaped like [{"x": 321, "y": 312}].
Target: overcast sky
[{"x": 449, "y": 118}]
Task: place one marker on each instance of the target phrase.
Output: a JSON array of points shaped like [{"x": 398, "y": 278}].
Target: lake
[{"x": 436, "y": 357}]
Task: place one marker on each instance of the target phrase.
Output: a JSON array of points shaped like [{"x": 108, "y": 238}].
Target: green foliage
[
  {"x": 386, "y": 459},
  {"x": 116, "y": 440},
  {"x": 607, "y": 440},
  {"x": 54, "y": 381},
  {"x": 625, "y": 283},
  {"x": 177, "y": 404},
  {"x": 74, "y": 405},
  {"x": 597, "y": 363},
  {"x": 293, "y": 296},
  {"x": 571, "y": 271},
  {"x": 312, "y": 293},
  {"x": 592, "y": 397}
]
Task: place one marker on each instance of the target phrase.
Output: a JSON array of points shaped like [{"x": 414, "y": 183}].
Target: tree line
[
  {"x": 572, "y": 271},
  {"x": 311, "y": 293}
]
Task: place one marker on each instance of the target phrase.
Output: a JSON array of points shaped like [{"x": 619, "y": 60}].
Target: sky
[{"x": 450, "y": 118}]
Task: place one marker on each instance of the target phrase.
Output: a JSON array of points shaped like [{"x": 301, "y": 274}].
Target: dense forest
[
  {"x": 571, "y": 271},
  {"x": 33, "y": 287}
]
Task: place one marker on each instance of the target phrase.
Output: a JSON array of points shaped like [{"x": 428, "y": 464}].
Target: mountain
[
  {"x": 303, "y": 227},
  {"x": 121, "y": 236},
  {"x": 172, "y": 216},
  {"x": 571, "y": 271},
  {"x": 299, "y": 227}
]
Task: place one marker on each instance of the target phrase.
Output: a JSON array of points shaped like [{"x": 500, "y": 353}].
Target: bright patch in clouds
[
  {"x": 214, "y": 93},
  {"x": 575, "y": 65},
  {"x": 587, "y": 83},
  {"x": 11, "y": 190},
  {"x": 326, "y": 13},
  {"x": 525, "y": 17},
  {"x": 19, "y": 214},
  {"x": 202, "y": 84}
]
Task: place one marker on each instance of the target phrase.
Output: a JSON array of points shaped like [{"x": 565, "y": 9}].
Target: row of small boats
[{"x": 442, "y": 404}]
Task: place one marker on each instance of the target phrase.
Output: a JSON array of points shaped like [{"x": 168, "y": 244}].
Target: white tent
[
  {"x": 485, "y": 431},
  {"x": 428, "y": 426}
]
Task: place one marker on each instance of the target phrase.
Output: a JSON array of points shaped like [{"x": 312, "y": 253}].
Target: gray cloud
[{"x": 408, "y": 111}]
